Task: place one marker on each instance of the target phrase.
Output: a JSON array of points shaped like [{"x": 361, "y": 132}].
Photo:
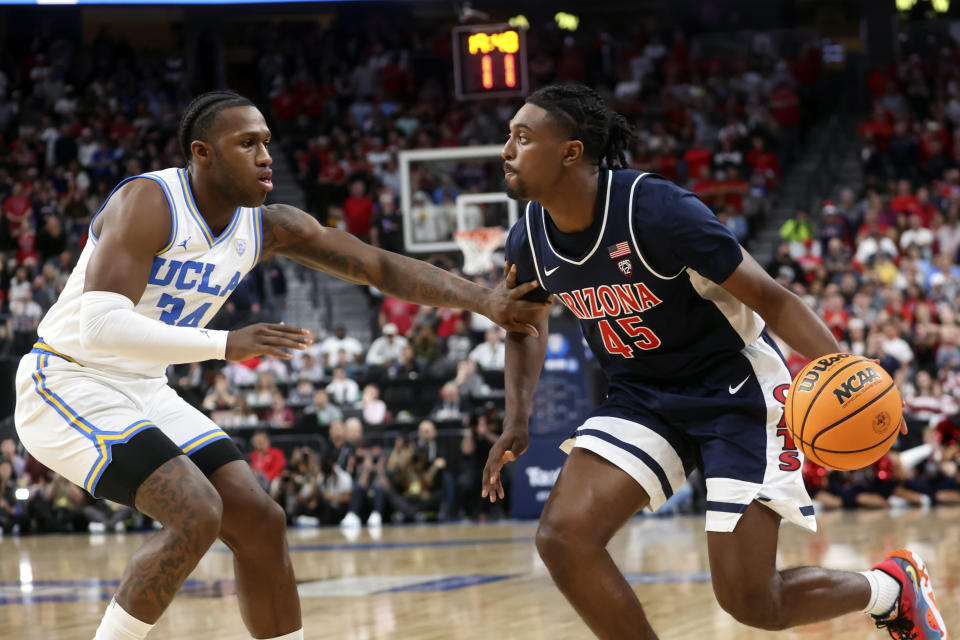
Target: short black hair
[
  {"x": 200, "y": 114},
  {"x": 605, "y": 134}
]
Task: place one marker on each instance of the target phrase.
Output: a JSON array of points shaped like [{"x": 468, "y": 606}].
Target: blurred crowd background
[{"x": 831, "y": 151}]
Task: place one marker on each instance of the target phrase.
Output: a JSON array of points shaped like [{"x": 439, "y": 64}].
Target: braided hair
[
  {"x": 605, "y": 134},
  {"x": 200, "y": 114}
]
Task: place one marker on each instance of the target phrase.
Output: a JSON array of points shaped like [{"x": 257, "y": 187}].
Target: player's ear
[
  {"x": 572, "y": 152},
  {"x": 202, "y": 153}
]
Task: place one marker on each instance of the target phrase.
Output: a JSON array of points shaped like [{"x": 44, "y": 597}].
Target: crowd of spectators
[
  {"x": 720, "y": 123},
  {"x": 398, "y": 429},
  {"x": 879, "y": 265}
]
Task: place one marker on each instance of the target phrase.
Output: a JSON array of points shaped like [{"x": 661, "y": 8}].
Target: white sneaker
[
  {"x": 351, "y": 521},
  {"x": 96, "y": 527},
  {"x": 375, "y": 519},
  {"x": 897, "y": 503},
  {"x": 307, "y": 521},
  {"x": 120, "y": 527}
]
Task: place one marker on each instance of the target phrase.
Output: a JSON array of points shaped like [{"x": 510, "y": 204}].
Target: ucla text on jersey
[{"x": 191, "y": 276}]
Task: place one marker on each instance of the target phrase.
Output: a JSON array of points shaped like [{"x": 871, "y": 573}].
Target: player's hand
[
  {"x": 507, "y": 308},
  {"x": 266, "y": 339},
  {"x": 508, "y": 447}
]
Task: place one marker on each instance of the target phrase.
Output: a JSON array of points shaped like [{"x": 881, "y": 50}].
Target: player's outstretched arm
[
  {"x": 524, "y": 360},
  {"x": 782, "y": 310},
  {"x": 290, "y": 232},
  {"x": 133, "y": 226}
]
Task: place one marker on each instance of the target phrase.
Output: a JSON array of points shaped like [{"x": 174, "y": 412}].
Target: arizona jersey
[
  {"x": 189, "y": 282},
  {"x": 647, "y": 290}
]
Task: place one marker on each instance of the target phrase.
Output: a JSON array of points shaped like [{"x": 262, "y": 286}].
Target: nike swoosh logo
[
  {"x": 734, "y": 389},
  {"x": 547, "y": 272}
]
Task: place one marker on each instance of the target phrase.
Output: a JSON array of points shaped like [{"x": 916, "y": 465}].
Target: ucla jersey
[
  {"x": 646, "y": 292},
  {"x": 190, "y": 280}
]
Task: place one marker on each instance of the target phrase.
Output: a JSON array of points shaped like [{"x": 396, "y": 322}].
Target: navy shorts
[{"x": 730, "y": 424}]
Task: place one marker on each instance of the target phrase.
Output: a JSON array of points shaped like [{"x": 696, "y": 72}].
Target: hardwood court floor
[{"x": 459, "y": 581}]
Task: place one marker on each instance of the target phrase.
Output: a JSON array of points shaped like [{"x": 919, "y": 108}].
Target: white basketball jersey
[{"x": 190, "y": 279}]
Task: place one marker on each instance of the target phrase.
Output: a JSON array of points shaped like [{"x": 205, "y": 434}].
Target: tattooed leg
[{"x": 178, "y": 496}]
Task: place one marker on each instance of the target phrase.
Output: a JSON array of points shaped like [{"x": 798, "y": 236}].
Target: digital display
[{"x": 489, "y": 61}]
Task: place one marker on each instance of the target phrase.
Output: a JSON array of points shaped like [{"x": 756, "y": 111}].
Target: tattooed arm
[{"x": 288, "y": 231}]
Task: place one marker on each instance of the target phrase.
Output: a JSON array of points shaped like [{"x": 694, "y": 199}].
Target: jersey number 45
[{"x": 641, "y": 337}]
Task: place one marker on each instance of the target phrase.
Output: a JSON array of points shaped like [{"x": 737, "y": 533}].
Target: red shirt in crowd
[
  {"x": 26, "y": 246},
  {"x": 706, "y": 190},
  {"x": 696, "y": 159},
  {"x": 882, "y": 132},
  {"x": 16, "y": 208},
  {"x": 358, "y": 213},
  {"x": 285, "y": 104},
  {"x": 666, "y": 165},
  {"x": 448, "y": 321},
  {"x": 837, "y": 322},
  {"x": 333, "y": 172},
  {"x": 399, "y": 312},
  {"x": 785, "y": 106},
  {"x": 270, "y": 464},
  {"x": 765, "y": 161},
  {"x": 904, "y": 204},
  {"x": 731, "y": 192}
]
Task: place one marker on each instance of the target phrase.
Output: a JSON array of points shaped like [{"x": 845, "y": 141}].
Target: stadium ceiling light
[
  {"x": 567, "y": 21},
  {"x": 520, "y": 21}
]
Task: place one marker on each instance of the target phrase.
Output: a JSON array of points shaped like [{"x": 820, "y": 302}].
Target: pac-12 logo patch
[
  {"x": 626, "y": 267},
  {"x": 241, "y": 246}
]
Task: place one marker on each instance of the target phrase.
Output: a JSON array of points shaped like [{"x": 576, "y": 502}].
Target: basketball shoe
[{"x": 915, "y": 616}]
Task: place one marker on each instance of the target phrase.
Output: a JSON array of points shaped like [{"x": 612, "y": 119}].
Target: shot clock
[{"x": 489, "y": 61}]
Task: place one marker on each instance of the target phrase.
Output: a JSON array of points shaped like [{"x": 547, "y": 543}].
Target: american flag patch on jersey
[{"x": 619, "y": 249}]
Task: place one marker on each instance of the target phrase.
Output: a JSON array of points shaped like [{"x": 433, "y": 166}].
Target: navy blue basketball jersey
[{"x": 647, "y": 290}]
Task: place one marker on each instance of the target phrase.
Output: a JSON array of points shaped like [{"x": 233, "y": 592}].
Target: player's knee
[
  {"x": 198, "y": 519},
  {"x": 273, "y": 525},
  {"x": 207, "y": 518},
  {"x": 256, "y": 525},
  {"x": 557, "y": 540},
  {"x": 754, "y": 608}
]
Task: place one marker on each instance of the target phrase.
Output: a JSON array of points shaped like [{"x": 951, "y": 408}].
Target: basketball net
[{"x": 478, "y": 246}]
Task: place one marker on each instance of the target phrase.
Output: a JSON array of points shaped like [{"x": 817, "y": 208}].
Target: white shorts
[
  {"x": 730, "y": 424},
  {"x": 73, "y": 419}
]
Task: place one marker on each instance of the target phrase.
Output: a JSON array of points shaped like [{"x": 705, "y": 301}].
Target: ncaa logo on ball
[
  {"x": 855, "y": 383},
  {"x": 882, "y": 422}
]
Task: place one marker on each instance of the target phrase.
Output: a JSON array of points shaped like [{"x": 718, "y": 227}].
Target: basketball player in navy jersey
[
  {"x": 675, "y": 312},
  {"x": 166, "y": 250}
]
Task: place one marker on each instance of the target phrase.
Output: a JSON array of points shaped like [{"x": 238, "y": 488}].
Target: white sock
[
  {"x": 296, "y": 635},
  {"x": 884, "y": 592},
  {"x": 117, "y": 624}
]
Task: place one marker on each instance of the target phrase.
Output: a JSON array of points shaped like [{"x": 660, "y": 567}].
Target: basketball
[{"x": 844, "y": 411}]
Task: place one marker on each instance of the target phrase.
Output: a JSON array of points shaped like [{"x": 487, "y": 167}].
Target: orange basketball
[{"x": 843, "y": 411}]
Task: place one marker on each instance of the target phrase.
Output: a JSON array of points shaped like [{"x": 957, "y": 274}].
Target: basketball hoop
[{"x": 478, "y": 246}]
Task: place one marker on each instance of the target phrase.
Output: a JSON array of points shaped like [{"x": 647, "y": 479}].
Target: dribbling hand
[
  {"x": 266, "y": 339},
  {"x": 508, "y": 447}
]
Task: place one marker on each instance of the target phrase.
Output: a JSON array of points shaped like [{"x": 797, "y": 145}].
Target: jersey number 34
[{"x": 173, "y": 309}]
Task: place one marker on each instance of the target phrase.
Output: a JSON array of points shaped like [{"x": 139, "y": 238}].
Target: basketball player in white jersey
[{"x": 166, "y": 250}]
